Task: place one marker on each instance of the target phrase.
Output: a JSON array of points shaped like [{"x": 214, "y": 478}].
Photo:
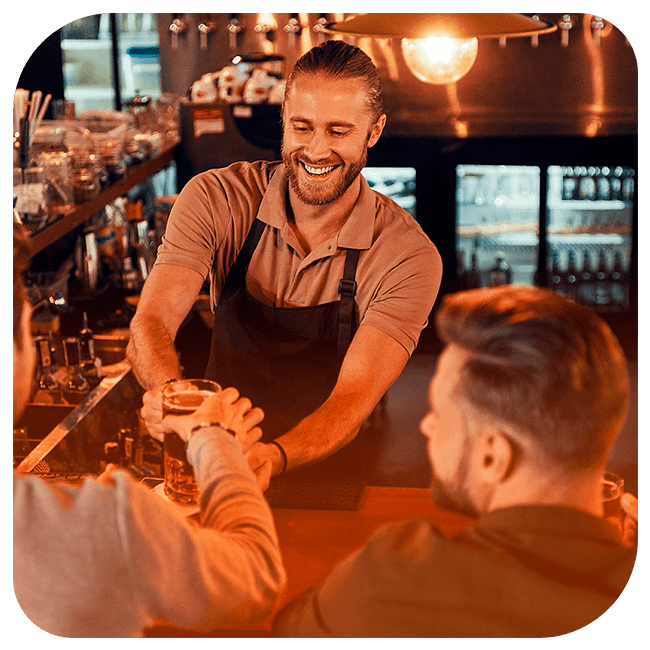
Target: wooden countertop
[{"x": 313, "y": 542}]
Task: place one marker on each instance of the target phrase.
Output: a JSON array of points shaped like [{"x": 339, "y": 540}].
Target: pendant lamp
[{"x": 440, "y": 48}]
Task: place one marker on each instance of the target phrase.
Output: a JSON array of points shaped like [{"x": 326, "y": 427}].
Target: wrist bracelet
[
  {"x": 284, "y": 455},
  {"x": 206, "y": 425}
]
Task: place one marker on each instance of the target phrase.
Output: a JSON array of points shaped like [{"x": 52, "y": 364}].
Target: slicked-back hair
[
  {"x": 338, "y": 60},
  {"x": 542, "y": 363}
]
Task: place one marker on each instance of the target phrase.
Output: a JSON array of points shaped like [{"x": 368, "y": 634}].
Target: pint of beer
[{"x": 182, "y": 398}]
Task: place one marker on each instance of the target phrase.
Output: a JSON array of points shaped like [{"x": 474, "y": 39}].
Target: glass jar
[
  {"x": 57, "y": 181},
  {"x": 85, "y": 182},
  {"x": 111, "y": 151}
]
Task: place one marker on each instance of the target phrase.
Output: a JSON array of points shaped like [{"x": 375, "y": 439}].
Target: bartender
[{"x": 320, "y": 286}]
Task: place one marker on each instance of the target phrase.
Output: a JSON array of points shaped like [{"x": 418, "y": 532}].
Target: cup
[
  {"x": 182, "y": 398},
  {"x": 64, "y": 109},
  {"x": 612, "y": 492}
]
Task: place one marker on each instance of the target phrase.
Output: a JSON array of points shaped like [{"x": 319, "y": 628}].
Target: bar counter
[{"x": 313, "y": 542}]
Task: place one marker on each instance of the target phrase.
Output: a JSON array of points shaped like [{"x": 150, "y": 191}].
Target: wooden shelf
[{"x": 81, "y": 213}]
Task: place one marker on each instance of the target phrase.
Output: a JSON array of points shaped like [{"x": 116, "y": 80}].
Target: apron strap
[
  {"x": 237, "y": 272},
  {"x": 347, "y": 289}
]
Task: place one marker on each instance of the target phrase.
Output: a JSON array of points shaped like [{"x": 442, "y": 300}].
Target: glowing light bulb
[{"x": 439, "y": 60}]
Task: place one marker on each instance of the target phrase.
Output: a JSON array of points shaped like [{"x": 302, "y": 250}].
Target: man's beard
[
  {"x": 316, "y": 195},
  {"x": 455, "y": 495}
]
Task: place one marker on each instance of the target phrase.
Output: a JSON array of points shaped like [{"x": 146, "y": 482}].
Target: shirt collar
[
  {"x": 548, "y": 518},
  {"x": 273, "y": 208},
  {"x": 358, "y": 230}
]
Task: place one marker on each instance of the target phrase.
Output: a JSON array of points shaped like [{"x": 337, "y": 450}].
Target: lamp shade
[
  {"x": 440, "y": 48},
  {"x": 441, "y": 25}
]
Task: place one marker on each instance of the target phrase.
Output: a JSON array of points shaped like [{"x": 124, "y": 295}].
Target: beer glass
[
  {"x": 182, "y": 397},
  {"x": 612, "y": 493}
]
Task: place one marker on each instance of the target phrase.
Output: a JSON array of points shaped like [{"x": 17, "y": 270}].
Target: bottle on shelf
[
  {"x": 602, "y": 297},
  {"x": 615, "y": 183},
  {"x": 587, "y": 190},
  {"x": 76, "y": 387},
  {"x": 586, "y": 292},
  {"x": 568, "y": 184},
  {"x": 578, "y": 173},
  {"x": 603, "y": 188},
  {"x": 627, "y": 186},
  {"x": 473, "y": 277},
  {"x": 564, "y": 282},
  {"x": 130, "y": 279},
  {"x": 47, "y": 388},
  {"x": 86, "y": 341},
  {"x": 619, "y": 289},
  {"x": 571, "y": 280},
  {"x": 90, "y": 365},
  {"x": 555, "y": 275},
  {"x": 500, "y": 273}
]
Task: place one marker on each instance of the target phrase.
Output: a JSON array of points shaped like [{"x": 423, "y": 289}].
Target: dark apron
[{"x": 285, "y": 360}]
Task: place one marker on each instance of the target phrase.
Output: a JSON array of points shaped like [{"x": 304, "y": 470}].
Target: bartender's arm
[
  {"x": 167, "y": 297},
  {"x": 373, "y": 362}
]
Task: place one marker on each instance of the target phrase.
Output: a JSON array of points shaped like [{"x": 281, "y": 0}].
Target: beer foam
[{"x": 188, "y": 400}]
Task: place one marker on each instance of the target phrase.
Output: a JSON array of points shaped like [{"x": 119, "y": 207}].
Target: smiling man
[
  {"x": 320, "y": 286},
  {"x": 321, "y": 172}
]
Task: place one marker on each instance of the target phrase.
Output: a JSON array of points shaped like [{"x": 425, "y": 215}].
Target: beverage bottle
[
  {"x": 568, "y": 184},
  {"x": 604, "y": 190},
  {"x": 76, "y": 387},
  {"x": 578, "y": 173},
  {"x": 603, "y": 297},
  {"x": 627, "y": 186},
  {"x": 588, "y": 185},
  {"x": 571, "y": 281},
  {"x": 618, "y": 284},
  {"x": 615, "y": 184},
  {"x": 473, "y": 277},
  {"x": 46, "y": 386},
  {"x": 555, "y": 275},
  {"x": 586, "y": 292},
  {"x": 90, "y": 365},
  {"x": 500, "y": 273},
  {"x": 130, "y": 280},
  {"x": 86, "y": 341}
]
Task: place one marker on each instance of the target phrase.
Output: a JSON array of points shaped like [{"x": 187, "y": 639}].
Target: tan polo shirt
[{"x": 398, "y": 274}]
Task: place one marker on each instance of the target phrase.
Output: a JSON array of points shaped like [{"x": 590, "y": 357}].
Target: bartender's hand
[
  {"x": 265, "y": 461},
  {"x": 227, "y": 408},
  {"x": 151, "y": 413}
]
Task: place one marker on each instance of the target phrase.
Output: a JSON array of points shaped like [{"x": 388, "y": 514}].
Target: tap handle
[
  {"x": 178, "y": 26},
  {"x": 597, "y": 25},
  {"x": 234, "y": 28},
  {"x": 293, "y": 25},
  {"x": 205, "y": 27},
  {"x": 319, "y": 26},
  {"x": 565, "y": 24}
]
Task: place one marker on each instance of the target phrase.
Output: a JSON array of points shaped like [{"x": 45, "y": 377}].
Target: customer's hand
[
  {"x": 630, "y": 505},
  {"x": 227, "y": 408}
]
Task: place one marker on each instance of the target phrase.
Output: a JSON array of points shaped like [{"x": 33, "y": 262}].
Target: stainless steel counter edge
[{"x": 117, "y": 372}]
